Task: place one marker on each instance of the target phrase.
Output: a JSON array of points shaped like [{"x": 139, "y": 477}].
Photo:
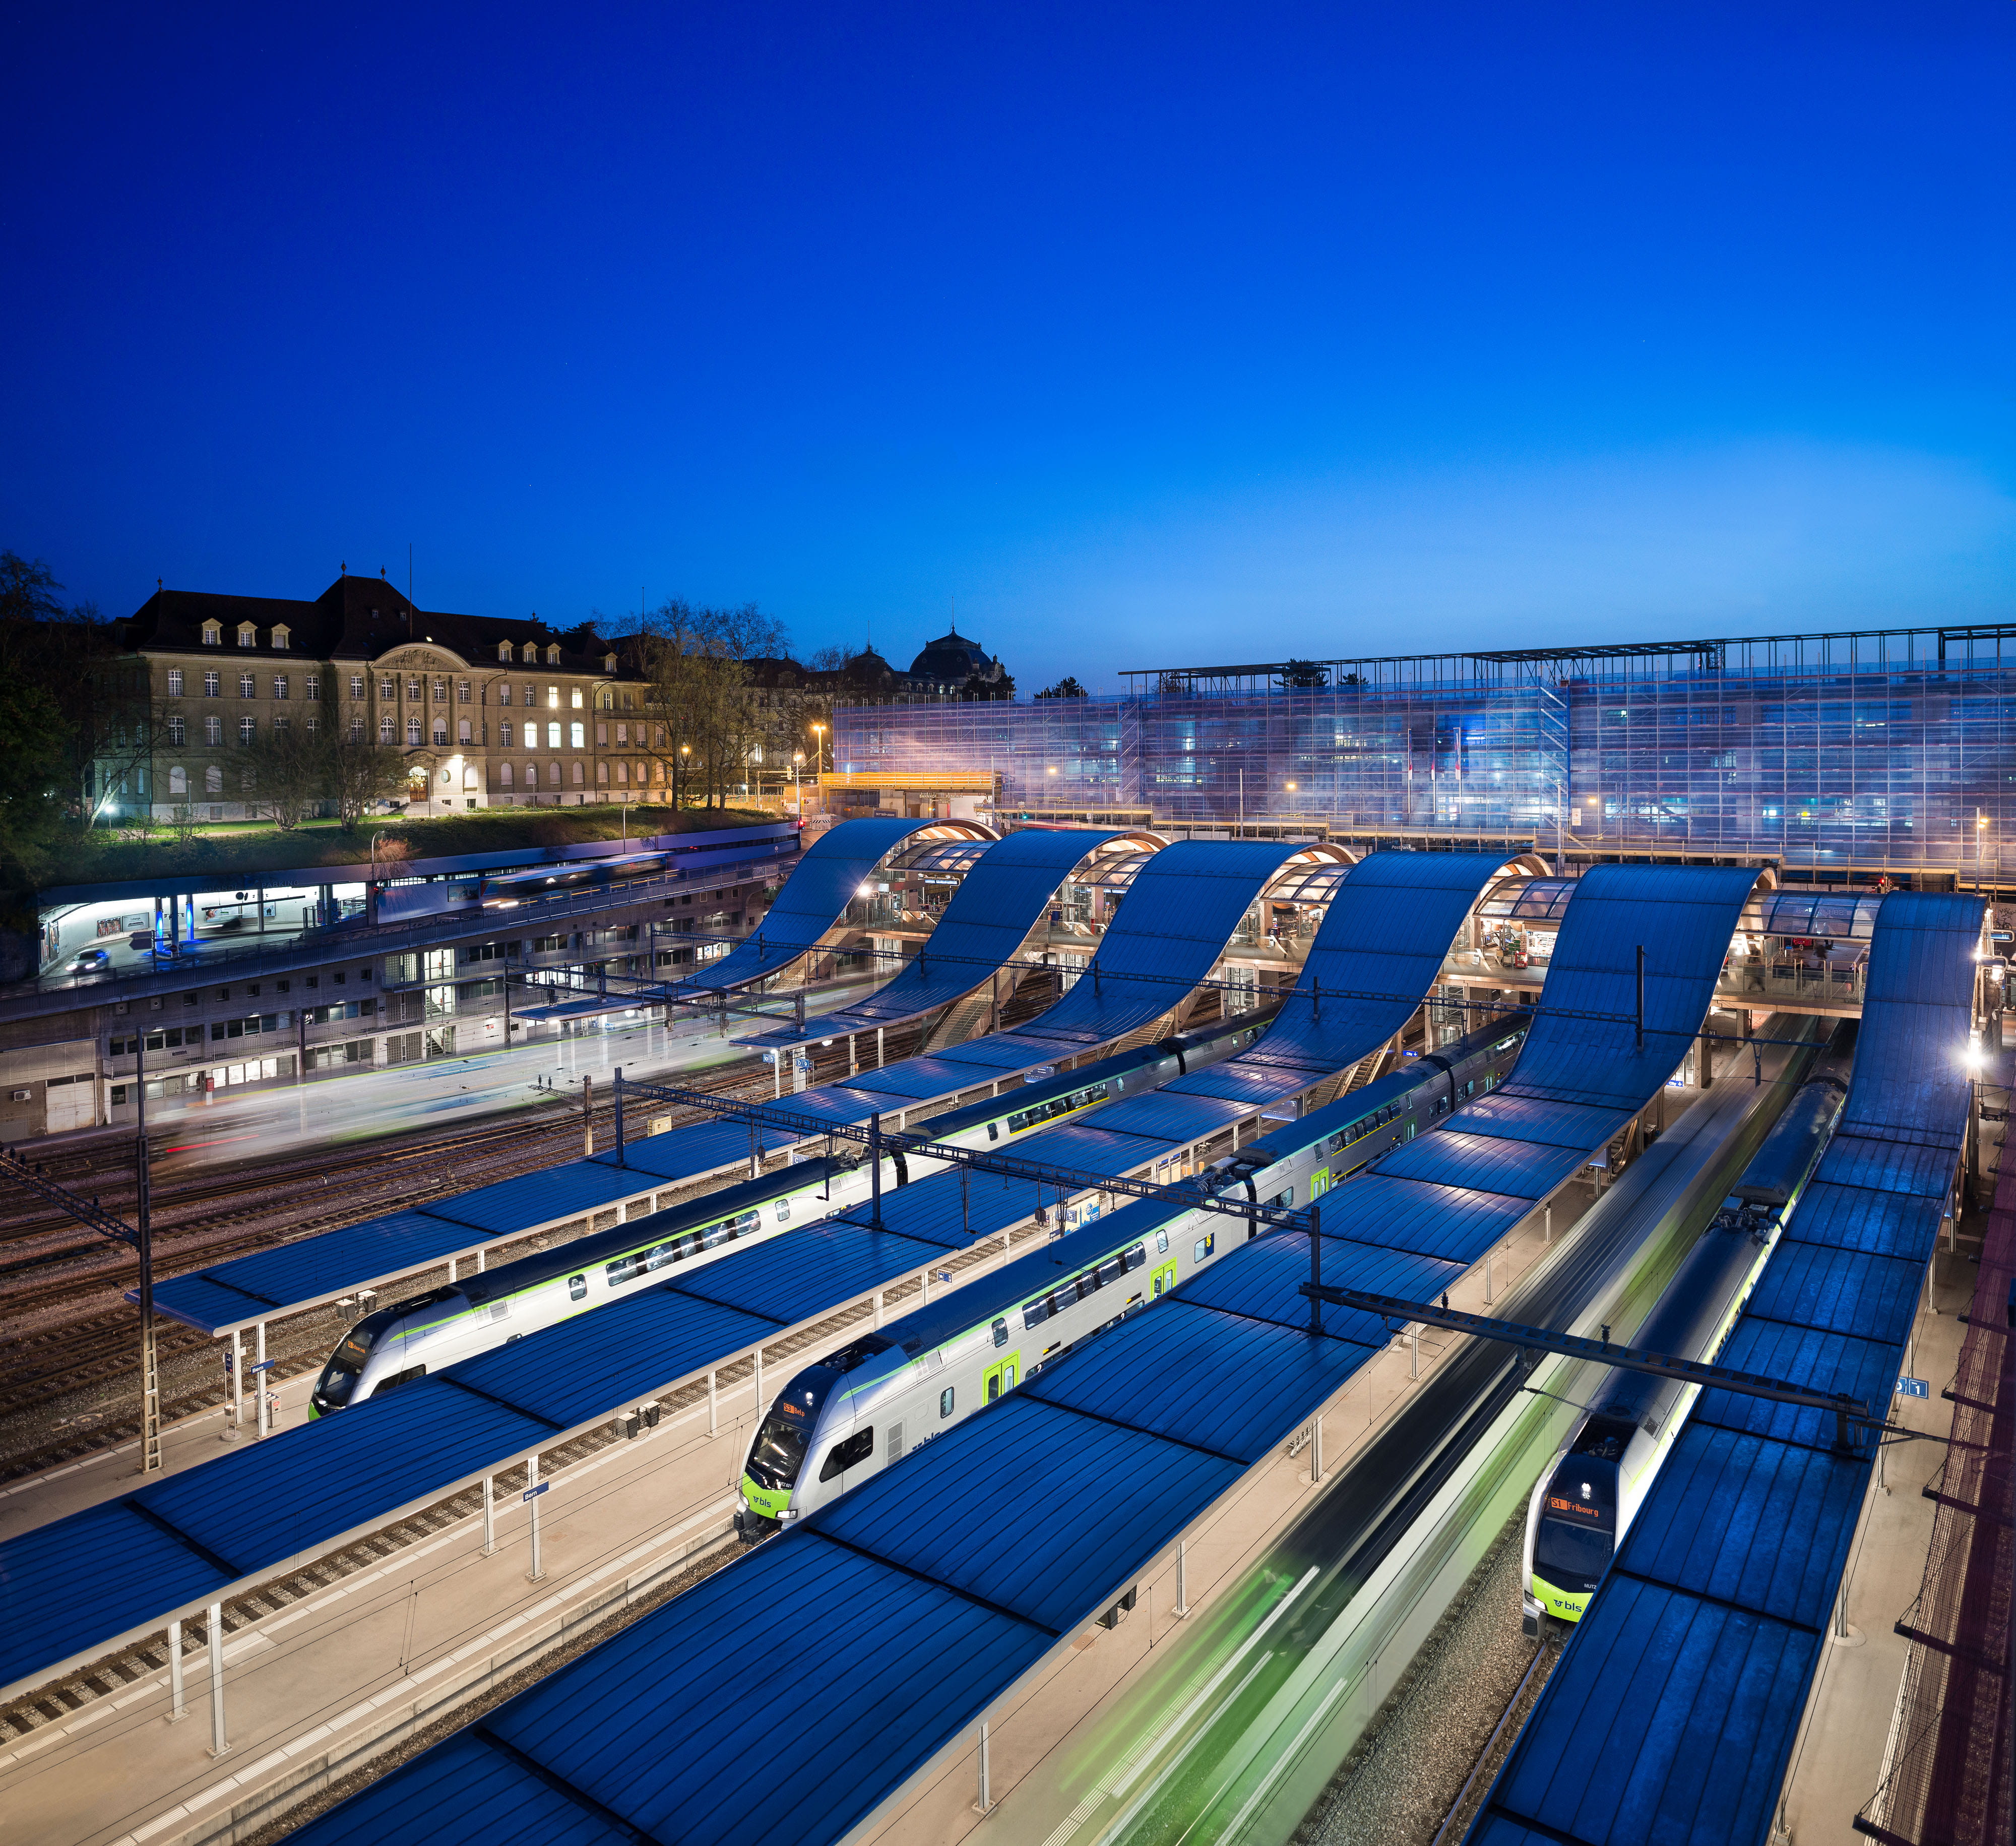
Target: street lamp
[{"x": 818, "y": 750}]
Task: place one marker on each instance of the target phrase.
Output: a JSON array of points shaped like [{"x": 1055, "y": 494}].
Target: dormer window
[
  {"x": 279, "y": 637},
  {"x": 609, "y": 663},
  {"x": 553, "y": 654},
  {"x": 504, "y": 650},
  {"x": 213, "y": 634},
  {"x": 248, "y": 635}
]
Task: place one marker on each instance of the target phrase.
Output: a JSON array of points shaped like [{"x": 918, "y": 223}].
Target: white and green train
[
  {"x": 395, "y": 1345},
  {"x": 862, "y": 1408}
]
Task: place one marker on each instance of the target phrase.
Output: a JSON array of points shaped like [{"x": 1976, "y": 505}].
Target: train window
[
  {"x": 945, "y": 1401},
  {"x": 1000, "y": 1332},
  {"x": 1469, "y": 1089},
  {"x": 500, "y": 1310},
  {"x": 1205, "y": 1246},
  {"x": 1111, "y": 1271},
  {"x": 663, "y": 1254},
  {"x": 714, "y": 1236},
  {"x": 993, "y": 1130},
  {"x": 1161, "y": 1243},
  {"x": 1035, "y": 1314},
  {"x": 783, "y": 1211},
  {"x": 577, "y": 1288},
  {"x": 849, "y": 1454},
  {"x": 412, "y": 1374},
  {"x": 1137, "y": 1256}
]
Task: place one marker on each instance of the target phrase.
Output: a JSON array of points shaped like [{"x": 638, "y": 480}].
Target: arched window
[
  {"x": 213, "y": 779},
  {"x": 441, "y": 730},
  {"x": 469, "y": 775},
  {"x": 602, "y": 772},
  {"x": 461, "y": 731},
  {"x": 177, "y": 779},
  {"x": 388, "y": 729},
  {"x": 504, "y": 734},
  {"x": 531, "y": 775},
  {"x": 580, "y": 776},
  {"x": 622, "y": 771},
  {"x": 504, "y": 775},
  {"x": 412, "y": 734}
]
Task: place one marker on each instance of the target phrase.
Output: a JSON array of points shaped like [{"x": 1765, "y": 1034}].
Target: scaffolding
[{"x": 1841, "y": 757}]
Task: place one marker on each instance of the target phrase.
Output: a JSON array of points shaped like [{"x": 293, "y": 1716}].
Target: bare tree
[
  {"x": 357, "y": 774},
  {"x": 703, "y": 720},
  {"x": 288, "y": 774}
]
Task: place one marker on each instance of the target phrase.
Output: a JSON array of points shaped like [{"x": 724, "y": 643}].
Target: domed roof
[{"x": 952, "y": 656}]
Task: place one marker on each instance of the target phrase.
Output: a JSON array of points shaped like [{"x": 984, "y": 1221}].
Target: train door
[
  {"x": 1319, "y": 1182},
  {"x": 1165, "y": 1279},
  {"x": 1002, "y": 1378}
]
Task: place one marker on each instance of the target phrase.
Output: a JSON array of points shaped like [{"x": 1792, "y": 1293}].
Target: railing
[
  {"x": 384, "y": 938},
  {"x": 1745, "y": 983}
]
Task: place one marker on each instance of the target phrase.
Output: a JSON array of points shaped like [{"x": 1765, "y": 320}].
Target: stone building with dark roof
[
  {"x": 952, "y": 663},
  {"x": 488, "y": 711}
]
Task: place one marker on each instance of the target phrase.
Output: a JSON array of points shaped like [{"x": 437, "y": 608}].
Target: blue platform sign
[
  {"x": 1913, "y": 1387},
  {"x": 534, "y": 1493}
]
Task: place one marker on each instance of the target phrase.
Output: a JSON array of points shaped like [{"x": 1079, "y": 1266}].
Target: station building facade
[{"x": 487, "y": 712}]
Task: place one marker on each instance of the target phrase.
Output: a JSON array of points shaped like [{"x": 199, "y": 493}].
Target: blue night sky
[{"x": 1154, "y": 336}]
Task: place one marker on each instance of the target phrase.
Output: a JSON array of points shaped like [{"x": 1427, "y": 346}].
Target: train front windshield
[
  {"x": 346, "y": 1365},
  {"x": 779, "y": 1451},
  {"x": 1578, "y": 1529}
]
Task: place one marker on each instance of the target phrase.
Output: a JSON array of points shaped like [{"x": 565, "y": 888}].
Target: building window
[
  {"x": 441, "y": 730},
  {"x": 311, "y": 689},
  {"x": 552, "y": 654},
  {"x": 356, "y": 685},
  {"x": 462, "y": 692},
  {"x": 412, "y": 734},
  {"x": 504, "y": 775},
  {"x": 178, "y": 730},
  {"x": 573, "y": 697},
  {"x": 413, "y": 691},
  {"x": 462, "y": 730},
  {"x": 177, "y": 779},
  {"x": 314, "y": 727},
  {"x": 280, "y": 727},
  {"x": 279, "y": 685},
  {"x": 601, "y": 736},
  {"x": 388, "y": 729},
  {"x": 602, "y": 772},
  {"x": 552, "y": 736},
  {"x": 357, "y": 730},
  {"x": 504, "y": 692},
  {"x": 469, "y": 775},
  {"x": 623, "y": 734},
  {"x": 388, "y": 689},
  {"x": 248, "y": 635},
  {"x": 213, "y": 635},
  {"x": 213, "y": 731},
  {"x": 503, "y": 649},
  {"x": 280, "y": 639},
  {"x": 531, "y": 775},
  {"x": 248, "y": 687},
  {"x": 213, "y": 779},
  {"x": 175, "y": 682},
  {"x": 504, "y": 734},
  {"x": 622, "y": 771},
  {"x": 212, "y": 685},
  {"x": 552, "y": 698},
  {"x": 440, "y": 692},
  {"x": 580, "y": 776},
  {"x": 529, "y": 699},
  {"x": 577, "y": 735},
  {"x": 248, "y": 729}
]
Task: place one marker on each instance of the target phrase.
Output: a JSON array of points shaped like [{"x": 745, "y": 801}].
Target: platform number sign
[{"x": 1913, "y": 1387}]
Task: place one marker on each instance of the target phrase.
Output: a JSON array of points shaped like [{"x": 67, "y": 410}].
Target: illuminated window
[
  {"x": 552, "y": 736},
  {"x": 413, "y": 732},
  {"x": 573, "y": 697},
  {"x": 388, "y": 729},
  {"x": 577, "y": 735},
  {"x": 552, "y": 698}
]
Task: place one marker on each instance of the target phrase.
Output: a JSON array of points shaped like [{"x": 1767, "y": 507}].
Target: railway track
[{"x": 69, "y": 1341}]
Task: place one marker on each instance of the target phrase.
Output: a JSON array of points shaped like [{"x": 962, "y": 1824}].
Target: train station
[{"x": 1323, "y": 1252}]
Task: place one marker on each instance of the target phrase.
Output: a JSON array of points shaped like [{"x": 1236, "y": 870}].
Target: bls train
[
  {"x": 1586, "y": 1499},
  {"x": 394, "y": 1345},
  {"x": 862, "y": 1409}
]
